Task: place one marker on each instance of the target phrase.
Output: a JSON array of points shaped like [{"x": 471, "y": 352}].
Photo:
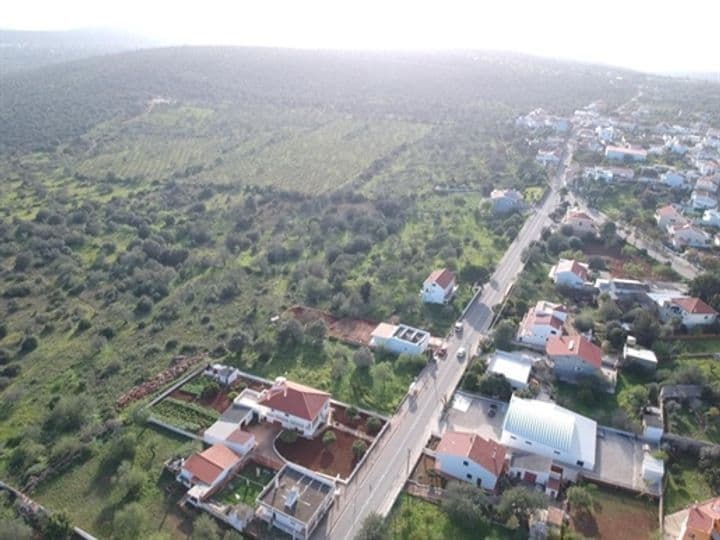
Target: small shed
[{"x": 653, "y": 426}]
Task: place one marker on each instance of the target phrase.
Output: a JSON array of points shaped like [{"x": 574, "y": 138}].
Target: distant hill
[
  {"x": 45, "y": 106},
  {"x": 23, "y": 50}
]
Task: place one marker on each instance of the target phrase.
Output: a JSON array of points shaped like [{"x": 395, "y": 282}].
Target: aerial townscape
[{"x": 310, "y": 294}]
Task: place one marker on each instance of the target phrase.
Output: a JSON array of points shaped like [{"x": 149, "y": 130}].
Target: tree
[
  {"x": 210, "y": 390},
  {"x": 372, "y": 528},
  {"x": 28, "y": 344},
  {"x": 707, "y": 287},
  {"x": 205, "y": 528},
  {"x": 465, "y": 503},
  {"x": 521, "y": 503},
  {"x": 363, "y": 357},
  {"x": 365, "y": 290},
  {"x": 128, "y": 480},
  {"x": 359, "y": 447},
  {"x": 237, "y": 342},
  {"x": 504, "y": 334},
  {"x": 495, "y": 385},
  {"x": 338, "y": 367},
  {"x": 580, "y": 499},
  {"x": 608, "y": 230},
  {"x": 57, "y": 527},
  {"x": 290, "y": 334},
  {"x": 329, "y": 437},
  {"x": 645, "y": 328},
  {"x": 130, "y": 522},
  {"x": 633, "y": 399},
  {"x": 316, "y": 331},
  {"x": 609, "y": 311}
]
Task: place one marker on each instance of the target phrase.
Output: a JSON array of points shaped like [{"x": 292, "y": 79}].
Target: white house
[
  {"x": 598, "y": 173},
  {"x": 504, "y": 201},
  {"x": 225, "y": 375},
  {"x": 570, "y": 273},
  {"x": 295, "y": 501},
  {"x": 399, "y": 339},
  {"x": 618, "y": 288},
  {"x": 622, "y": 173},
  {"x": 469, "y": 457},
  {"x": 573, "y": 356},
  {"x": 711, "y": 218},
  {"x": 708, "y": 183},
  {"x": 619, "y": 153},
  {"x": 673, "y": 179},
  {"x": 439, "y": 287},
  {"x": 537, "y": 327},
  {"x": 546, "y": 429},
  {"x": 689, "y": 235},
  {"x": 637, "y": 356},
  {"x": 667, "y": 216},
  {"x": 548, "y": 157},
  {"x": 205, "y": 471},
  {"x": 579, "y": 221},
  {"x": 701, "y": 200},
  {"x": 514, "y": 367},
  {"x": 692, "y": 311},
  {"x": 292, "y": 405},
  {"x": 606, "y": 133}
]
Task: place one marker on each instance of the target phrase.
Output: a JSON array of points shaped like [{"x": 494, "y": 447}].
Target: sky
[{"x": 649, "y": 35}]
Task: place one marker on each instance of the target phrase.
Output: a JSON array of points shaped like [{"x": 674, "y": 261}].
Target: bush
[
  {"x": 374, "y": 424},
  {"x": 28, "y": 344},
  {"x": 83, "y": 324},
  {"x": 288, "y": 436},
  {"x": 144, "y": 306},
  {"x": 352, "y": 412},
  {"x": 363, "y": 358},
  {"x": 329, "y": 437},
  {"x": 359, "y": 447},
  {"x": 210, "y": 390}
]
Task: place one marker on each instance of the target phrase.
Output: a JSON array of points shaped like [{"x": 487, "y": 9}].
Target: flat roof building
[
  {"x": 515, "y": 367},
  {"x": 295, "y": 501}
]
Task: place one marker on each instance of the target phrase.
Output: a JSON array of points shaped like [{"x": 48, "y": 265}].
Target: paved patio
[{"x": 470, "y": 413}]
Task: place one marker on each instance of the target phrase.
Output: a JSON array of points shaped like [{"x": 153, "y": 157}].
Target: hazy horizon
[{"x": 652, "y": 37}]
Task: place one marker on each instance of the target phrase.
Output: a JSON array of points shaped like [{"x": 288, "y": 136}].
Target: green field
[
  {"x": 412, "y": 517},
  {"x": 246, "y": 486},
  {"x": 685, "y": 485}
]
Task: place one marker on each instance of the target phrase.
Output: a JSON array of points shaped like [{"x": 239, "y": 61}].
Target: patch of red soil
[
  {"x": 616, "y": 261},
  {"x": 183, "y": 396},
  {"x": 424, "y": 472},
  {"x": 332, "y": 460},
  {"x": 358, "y": 423},
  {"x": 354, "y": 331},
  {"x": 616, "y": 522},
  {"x": 219, "y": 403}
]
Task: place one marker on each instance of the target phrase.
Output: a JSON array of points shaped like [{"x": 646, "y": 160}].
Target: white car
[{"x": 461, "y": 353}]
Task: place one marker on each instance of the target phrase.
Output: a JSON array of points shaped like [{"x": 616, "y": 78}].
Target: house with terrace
[
  {"x": 580, "y": 223},
  {"x": 668, "y": 216},
  {"x": 689, "y": 236},
  {"x": 619, "y": 153},
  {"x": 294, "y": 406},
  {"x": 295, "y": 501},
  {"x": 470, "y": 458},
  {"x": 570, "y": 273},
  {"x": 399, "y": 339},
  {"x": 692, "y": 312},
  {"x": 573, "y": 357},
  {"x": 504, "y": 201},
  {"x": 539, "y": 324},
  {"x": 439, "y": 287},
  {"x": 204, "y": 472}
]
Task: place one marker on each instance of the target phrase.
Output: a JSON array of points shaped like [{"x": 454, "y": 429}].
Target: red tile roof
[
  {"x": 668, "y": 210},
  {"x": 296, "y": 399},
  {"x": 207, "y": 465},
  {"x": 571, "y": 265},
  {"x": 443, "y": 277},
  {"x": 694, "y": 305},
  {"x": 577, "y": 346},
  {"x": 555, "y": 516},
  {"x": 702, "y": 519},
  {"x": 486, "y": 453}
]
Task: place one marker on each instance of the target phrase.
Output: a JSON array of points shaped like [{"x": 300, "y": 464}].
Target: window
[
  {"x": 556, "y": 452},
  {"x": 469, "y": 476},
  {"x": 513, "y": 437},
  {"x": 580, "y": 463},
  {"x": 528, "y": 442},
  {"x": 465, "y": 463}
]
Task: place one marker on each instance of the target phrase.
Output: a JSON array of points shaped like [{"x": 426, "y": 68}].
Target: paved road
[
  {"x": 658, "y": 252},
  {"x": 382, "y": 477}
]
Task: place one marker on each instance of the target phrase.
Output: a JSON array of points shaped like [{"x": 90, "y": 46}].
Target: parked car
[
  {"x": 461, "y": 353},
  {"x": 458, "y": 328}
]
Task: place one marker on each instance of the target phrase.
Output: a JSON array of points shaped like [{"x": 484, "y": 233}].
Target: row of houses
[{"x": 685, "y": 233}]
